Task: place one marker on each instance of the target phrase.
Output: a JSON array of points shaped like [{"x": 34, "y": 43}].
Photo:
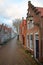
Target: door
[
  {"x": 23, "y": 39},
  {"x": 37, "y": 48},
  {"x": 36, "y": 45}
]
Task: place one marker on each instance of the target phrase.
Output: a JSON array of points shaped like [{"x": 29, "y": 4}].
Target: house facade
[
  {"x": 22, "y": 33},
  {"x": 34, "y": 34},
  {"x": 5, "y": 33}
]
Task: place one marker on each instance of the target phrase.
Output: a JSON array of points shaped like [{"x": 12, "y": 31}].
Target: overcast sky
[{"x": 11, "y": 9}]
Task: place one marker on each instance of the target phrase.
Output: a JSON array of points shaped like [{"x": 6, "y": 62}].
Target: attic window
[
  {"x": 29, "y": 12},
  {"x": 30, "y": 24}
]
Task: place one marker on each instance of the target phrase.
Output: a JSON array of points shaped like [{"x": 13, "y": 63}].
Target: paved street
[{"x": 13, "y": 54}]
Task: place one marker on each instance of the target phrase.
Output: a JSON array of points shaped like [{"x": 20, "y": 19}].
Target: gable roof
[
  {"x": 36, "y": 9},
  {"x": 40, "y": 9}
]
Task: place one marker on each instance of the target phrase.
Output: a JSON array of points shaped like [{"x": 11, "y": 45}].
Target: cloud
[
  {"x": 1, "y": 0},
  {"x": 12, "y": 10},
  {"x": 37, "y": 3},
  {"x": 16, "y": 10}
]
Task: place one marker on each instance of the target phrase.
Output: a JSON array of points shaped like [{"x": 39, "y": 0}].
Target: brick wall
[{"x": 38, "y": 22}]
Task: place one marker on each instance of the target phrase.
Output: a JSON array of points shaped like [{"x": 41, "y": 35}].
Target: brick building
[
  {"x": 23, "y": 29},
  {"x": 5, "y": 33},
  {"x": 35, "y": 31}
]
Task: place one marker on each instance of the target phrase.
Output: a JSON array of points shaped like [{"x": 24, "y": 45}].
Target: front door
[
  {"x": 37, "y": 48},
  {"x": 23, "y": 40},
  {"x": 36, "y": 45}
]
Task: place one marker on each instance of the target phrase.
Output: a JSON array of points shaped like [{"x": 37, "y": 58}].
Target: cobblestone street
[{"x": 13, "y": 54}]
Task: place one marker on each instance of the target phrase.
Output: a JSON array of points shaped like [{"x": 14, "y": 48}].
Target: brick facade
[
  {"x": 35, "y": 30},
  {"x": 5, "y": 33},
  {"x": 23, "y": 29}
]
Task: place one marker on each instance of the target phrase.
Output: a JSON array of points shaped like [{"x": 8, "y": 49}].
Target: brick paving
[{"x": 14, "y": 54}]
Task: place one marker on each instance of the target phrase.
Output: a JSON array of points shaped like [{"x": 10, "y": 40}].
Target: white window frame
[
  {"x": 30, "y": 41},
  {"x": 30, "y": 24}
]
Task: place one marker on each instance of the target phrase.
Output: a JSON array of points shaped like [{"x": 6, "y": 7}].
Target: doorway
[
  {"x": 36, "y": 45},
  {"x": 23, "y": 39},
  {"x": 37, "y": 48}
]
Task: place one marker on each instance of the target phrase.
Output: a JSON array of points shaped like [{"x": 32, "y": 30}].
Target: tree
[{"x": 16, "y": 24}]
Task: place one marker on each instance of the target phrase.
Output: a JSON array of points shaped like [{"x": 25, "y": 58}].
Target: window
[
  {"x": 31, "y": 41},
  {"x": 27, "y": 36},
  {"x": 28, "y": 39},
  {"x": 37, "y": 37},
  {"x": 30, "y": 24}
]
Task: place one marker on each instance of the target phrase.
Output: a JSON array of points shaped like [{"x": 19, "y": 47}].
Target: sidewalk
[
  {"x": 15, "y": 54},
  {"x": 30, "y": 58}
]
